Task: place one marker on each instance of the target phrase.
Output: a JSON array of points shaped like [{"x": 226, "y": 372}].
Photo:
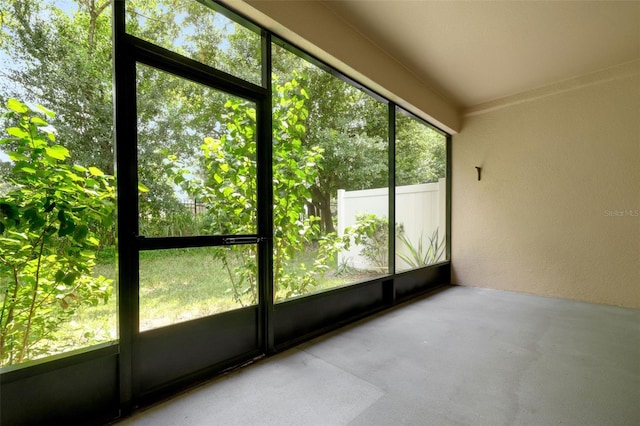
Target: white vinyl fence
[{"x": 420, "y": 209}]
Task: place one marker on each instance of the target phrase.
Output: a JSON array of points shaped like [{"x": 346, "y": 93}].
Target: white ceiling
[{"x": 474, "y": 52}]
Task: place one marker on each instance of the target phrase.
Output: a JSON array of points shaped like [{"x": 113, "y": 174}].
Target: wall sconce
[{"x": 479, "y": 169}]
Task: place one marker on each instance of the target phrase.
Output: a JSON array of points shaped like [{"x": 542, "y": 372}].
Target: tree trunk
[{"x": 323, "y": 201}]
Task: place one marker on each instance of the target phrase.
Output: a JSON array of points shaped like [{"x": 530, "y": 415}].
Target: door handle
[{"x": 242, "y": 240}]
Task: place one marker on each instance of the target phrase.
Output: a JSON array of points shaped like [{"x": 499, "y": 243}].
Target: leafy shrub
[
  {"x": 372, "y": 233},
  {"x": 226, "y": 185},
  {"x": 48, "y": 244}
]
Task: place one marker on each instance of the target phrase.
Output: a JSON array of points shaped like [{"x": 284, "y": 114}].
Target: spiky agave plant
[{"x": 422, "y": 255}]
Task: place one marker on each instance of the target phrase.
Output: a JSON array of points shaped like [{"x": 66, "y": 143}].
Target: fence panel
[{"x": 420, "y": 210}]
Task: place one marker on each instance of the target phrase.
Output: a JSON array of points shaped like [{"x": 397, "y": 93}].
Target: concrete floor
[{"x": 462, "y": 356}]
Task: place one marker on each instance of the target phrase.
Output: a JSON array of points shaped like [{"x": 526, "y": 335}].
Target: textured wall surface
[{"x": 557, "y": 211}]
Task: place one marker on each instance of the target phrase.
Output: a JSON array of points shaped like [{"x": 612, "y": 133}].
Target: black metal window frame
[{"x": 113, "y": 393}]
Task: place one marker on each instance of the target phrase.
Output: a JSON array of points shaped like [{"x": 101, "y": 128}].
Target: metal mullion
[
  {"x": 126, "y": 155},
  {"x": 189, "y": 69},
  {"x": 448, "y": 189},
  {"x": 392, "y": 186},
  {"x": 265, "y": 200}
]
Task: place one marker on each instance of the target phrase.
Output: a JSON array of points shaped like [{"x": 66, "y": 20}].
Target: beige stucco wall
[{"x": 557, "y": 211}]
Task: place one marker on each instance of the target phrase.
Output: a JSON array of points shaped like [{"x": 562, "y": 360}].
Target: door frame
[{"x": 139, "y": 379}]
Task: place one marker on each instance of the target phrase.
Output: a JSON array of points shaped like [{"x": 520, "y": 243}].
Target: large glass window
[
  {"x": 197, "y": 169},
  {"x": 330, "y": 173},
  {"x": 57, "y": 203},
  {"x": 421, "y": 193},
  {"x": 198, "y": 32}
]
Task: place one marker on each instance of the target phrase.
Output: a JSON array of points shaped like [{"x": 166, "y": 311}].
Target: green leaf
[
  {"x": 34, "y": 218},
  {"x": 38, "y": 121},
  {"x": 17, "y": 156},
  {"x": 17, "y": 132},
  {"x": 80, "y": 232},
  {"x": 49, "y": 205},
  {"x": 69, "y": 278},
  {"x": 66, "y": 228},
  {"x": 26, "y": 169},
  {"x": 17, "y": 106},
  {"x": 46, "y": 111},
  {"x": 58, "y": 152},
  {"x": 10, "y": 211},
  {"x": 96, "y": 171},
  {"x": 142, "y": 187},
  {"x": 62, "y": 217},
  {"x": 51, "y": 136}
]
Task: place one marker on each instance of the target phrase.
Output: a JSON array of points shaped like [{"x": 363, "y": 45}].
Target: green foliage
[
  {"x": 327, "y": 135},
  {"x": 174, "y": 116},
  {"x": 420, "y": 152},
  {"x": 226, "y": 185},
  {"x": 372, "y": 233},
  {"x": 344, "y": 122},
  {"x": 175, "y": 221},
  {"x": 422, "y": 255},
  {"x": 63, "y": 61},
  {"x": 194, "y": 30},
  {"x": 351, "y": 128},
  {"x": 48, "y": 243}
]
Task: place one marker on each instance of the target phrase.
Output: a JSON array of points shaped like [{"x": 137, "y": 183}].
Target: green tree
[
  {"x": 226, "y": 184},
  {"x": 352, "y": 130},
  {"x": 338, "y": 122},
  {"x": 174, "y": 114},
  {"x": 345, "y": 123},
  {"x": 63, "y": 61},
  {"x": 168, "y": 122},
  {"x": 59, "y": 54},
  {"x": 420, "y": 152},
  {"x": 48, "y": 243},
  {"x": 296, "y": 171}
]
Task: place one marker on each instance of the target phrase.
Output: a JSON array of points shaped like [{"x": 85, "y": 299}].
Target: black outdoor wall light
[{"x": 479, "y": 169}]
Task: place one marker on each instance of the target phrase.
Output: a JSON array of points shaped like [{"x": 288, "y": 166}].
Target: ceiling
[{"x": 474, "y": 52}]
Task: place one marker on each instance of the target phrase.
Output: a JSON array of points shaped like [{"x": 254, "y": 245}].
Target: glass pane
[
  {"x": 179, "y": 285},
  {"x": 57, "y": 220},
  {"x": 330, "y": 163},
  {"x": 198, "y": 32},
  {"x": 196, "y": 158},
  {"x": 421, "y": 194}
]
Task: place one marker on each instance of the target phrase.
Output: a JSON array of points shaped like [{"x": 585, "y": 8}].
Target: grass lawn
[{"x": 179, "y": 285}]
